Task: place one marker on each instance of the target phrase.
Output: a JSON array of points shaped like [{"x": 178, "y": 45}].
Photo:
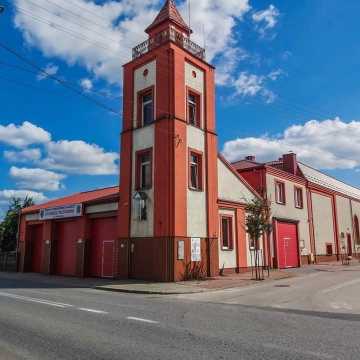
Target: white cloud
[
  {"x": 266, "y": 20},
  {"x": 328, "y": 144},
  {"x": 7, "y": 195},
  {"x": 102, "y": 35},
  {"x": 23, "y": 135},
  {"x": 50, "y": 69},
  {"x": 36, "y": 179},
  {"x": 86, "y": 84},
  {"x": 79, "y": 157},
  {"x": 251, "y": 85},
  {"x": 27, "y": 155}
]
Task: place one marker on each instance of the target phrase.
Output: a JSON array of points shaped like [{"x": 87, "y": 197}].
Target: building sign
[
  {"x": 61, "y": 212},
  {"x": 181, "y": 250},
  {"x": 195, "y": 249}
]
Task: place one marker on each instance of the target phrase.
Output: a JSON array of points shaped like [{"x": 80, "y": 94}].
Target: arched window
[{"x": 357, "y": 230}]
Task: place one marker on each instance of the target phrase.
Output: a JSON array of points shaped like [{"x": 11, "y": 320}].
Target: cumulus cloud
[
  {"x": 79, "y": 157},
  {"x": 86, "y": 84},
  {"x": 21, "y": 136},
  {"x": 266, "y": 20},
  {"x": 27, "y": 155},
  {"x": 7, "y": 195},
  {"x": 100, "y": 36},
  {"x": 250, "y": 85},
  {"x": 49, "y": 70},
  {"x": 328, "y": 144},
  {"x": 36, "y": 179}
]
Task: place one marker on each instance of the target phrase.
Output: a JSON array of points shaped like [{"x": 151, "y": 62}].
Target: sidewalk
[{"x": 191, "y": 287}]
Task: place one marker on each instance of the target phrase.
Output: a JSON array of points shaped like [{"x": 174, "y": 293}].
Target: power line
[{"x": 56, "y": 79}]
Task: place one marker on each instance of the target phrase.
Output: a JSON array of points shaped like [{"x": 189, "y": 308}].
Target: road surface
[{"x": 314, "y": 316}]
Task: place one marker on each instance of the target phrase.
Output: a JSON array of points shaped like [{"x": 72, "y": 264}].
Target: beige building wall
[
  {"x": 289, "y": 211},
  {"x": 323, "y": 223},
  {"x": 227, "y": 258},
  {"x": 196, "y": 200},
  {"x": 143, "y": 138},
  {"x": 343, "y": 210}
]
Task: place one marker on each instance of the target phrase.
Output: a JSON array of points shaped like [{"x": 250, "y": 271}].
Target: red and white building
[
  {"x": 315, "y": 217},
  {"x": 180, "y": 205}
]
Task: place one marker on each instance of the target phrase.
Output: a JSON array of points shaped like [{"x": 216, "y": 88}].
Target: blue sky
[{"x": 287, "y": 81}]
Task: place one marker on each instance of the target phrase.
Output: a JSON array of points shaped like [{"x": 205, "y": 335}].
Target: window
[
  {"x": 226, "y": 232},
  {"x": 195, "y": 171},
  {"x": 146, "y": 107},
  {"x": 144, "y": 169},
  {"x": 194, "y": 110},
  {"x": 280, "y": 192},
  {"x": 299, "y": 202}
]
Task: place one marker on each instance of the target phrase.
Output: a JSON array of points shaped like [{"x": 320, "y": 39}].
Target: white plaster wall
[
  {"x": 343, "y": 210},
  {"x": 251, "y": 254},
  {"x": 231, "y": 188},
  {"x": 196, "y": 200},
  {"x": 143, "y": 138},
  {"x": 142, "y": 82},
  {"x": 227, "y": 258},
  {"x": 197, "y": 83},
  {"x": 289, "y": 211},
  {"x": 323, "y": 222}
]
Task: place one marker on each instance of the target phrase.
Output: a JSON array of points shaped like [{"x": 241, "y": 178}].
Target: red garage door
[
  {"x": 101, "y": 247},
  {"x": 37, "y": 247},
  {"x": 287, "y": 245},
  {"x": 66, "y": 238}
]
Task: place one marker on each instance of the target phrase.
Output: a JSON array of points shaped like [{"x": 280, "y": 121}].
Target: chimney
[
  {"x": 290, "y": 163},
  {"x": 250, "y": 158}
]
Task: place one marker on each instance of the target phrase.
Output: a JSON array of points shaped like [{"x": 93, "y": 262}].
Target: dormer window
[
  {"x": 146, "y": 107},
  {"x": 194, "y": 109}
]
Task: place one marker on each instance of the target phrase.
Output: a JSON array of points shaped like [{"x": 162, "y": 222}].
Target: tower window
[
  {"x": 146, "y": 107},
  {"x": 144, "y": 169},
  {"x": 194, "y": 109},
  {"x": 195, "y": 171}
]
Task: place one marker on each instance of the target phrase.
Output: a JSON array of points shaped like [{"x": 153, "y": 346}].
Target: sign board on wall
[
  {"x": 61, "y": 212},
  {"x": 195, "y": 249}
]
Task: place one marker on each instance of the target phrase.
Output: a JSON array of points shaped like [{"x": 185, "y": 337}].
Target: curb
[{"x": 146, "y": 292}]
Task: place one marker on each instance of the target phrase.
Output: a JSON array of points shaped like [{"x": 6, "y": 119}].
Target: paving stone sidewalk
[{"x": 191, "y": 287}]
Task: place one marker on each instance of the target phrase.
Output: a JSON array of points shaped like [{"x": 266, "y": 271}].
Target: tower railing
[{"x": 165, "y": 36}]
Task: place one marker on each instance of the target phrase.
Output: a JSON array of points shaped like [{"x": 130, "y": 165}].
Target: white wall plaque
[
  {"x": 181, "y": 250},
  {"x": 195, "y": 249},
  {"x": 61, "y": 212}
]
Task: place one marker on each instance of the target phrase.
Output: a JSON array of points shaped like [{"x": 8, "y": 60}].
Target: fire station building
[{"x": 180, "y": 206}]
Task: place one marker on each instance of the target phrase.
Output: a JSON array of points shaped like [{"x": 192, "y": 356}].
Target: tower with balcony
[{"x": 168, "y": 176}]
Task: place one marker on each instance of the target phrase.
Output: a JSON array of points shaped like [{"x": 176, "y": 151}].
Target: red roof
[
  {"x": 78, "y": 198},
  {"x": 169, "y": 12}
]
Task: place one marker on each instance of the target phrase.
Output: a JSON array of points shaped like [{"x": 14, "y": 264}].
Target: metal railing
[{"x": 165, "y": 36}]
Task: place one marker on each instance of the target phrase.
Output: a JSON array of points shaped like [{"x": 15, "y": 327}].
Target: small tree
[
  {"x": 9, "y": 226},
  {"x": 258, "y": 224}
]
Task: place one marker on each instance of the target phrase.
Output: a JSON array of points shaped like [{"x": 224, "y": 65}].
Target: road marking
[
  {"x": 39, "y": 301},
  {"x": 142, "y": 320},
  {"x": 340, "y": 286},
  {"x": 93, "y": 311}
]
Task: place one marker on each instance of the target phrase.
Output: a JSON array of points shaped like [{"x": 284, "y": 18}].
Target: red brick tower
[{"x": 168, "y": 178}]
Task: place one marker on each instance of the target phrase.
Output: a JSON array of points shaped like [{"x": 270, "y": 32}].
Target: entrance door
[
  {"x": 37, "y": 248},
  {"x": 287, "y": 245},
  {"x": 108, "y": 259},
  {"x": 350, "y": 252}
]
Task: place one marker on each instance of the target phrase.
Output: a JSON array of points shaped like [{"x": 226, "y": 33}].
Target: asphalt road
[{"x": 42, "y": 319}]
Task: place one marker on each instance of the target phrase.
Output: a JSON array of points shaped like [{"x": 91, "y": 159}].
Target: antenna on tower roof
[
  {"x": 189, "y": 12},
  {"x": 204, "y": 37}
]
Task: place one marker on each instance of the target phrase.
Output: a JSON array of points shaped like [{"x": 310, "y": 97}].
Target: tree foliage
[
  {"x": 9, "y": 226},
  {"x": 258, "y": 224}
]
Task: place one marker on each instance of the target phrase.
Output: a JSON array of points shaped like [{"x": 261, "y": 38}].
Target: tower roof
[{"x": 169, "y": 12}]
